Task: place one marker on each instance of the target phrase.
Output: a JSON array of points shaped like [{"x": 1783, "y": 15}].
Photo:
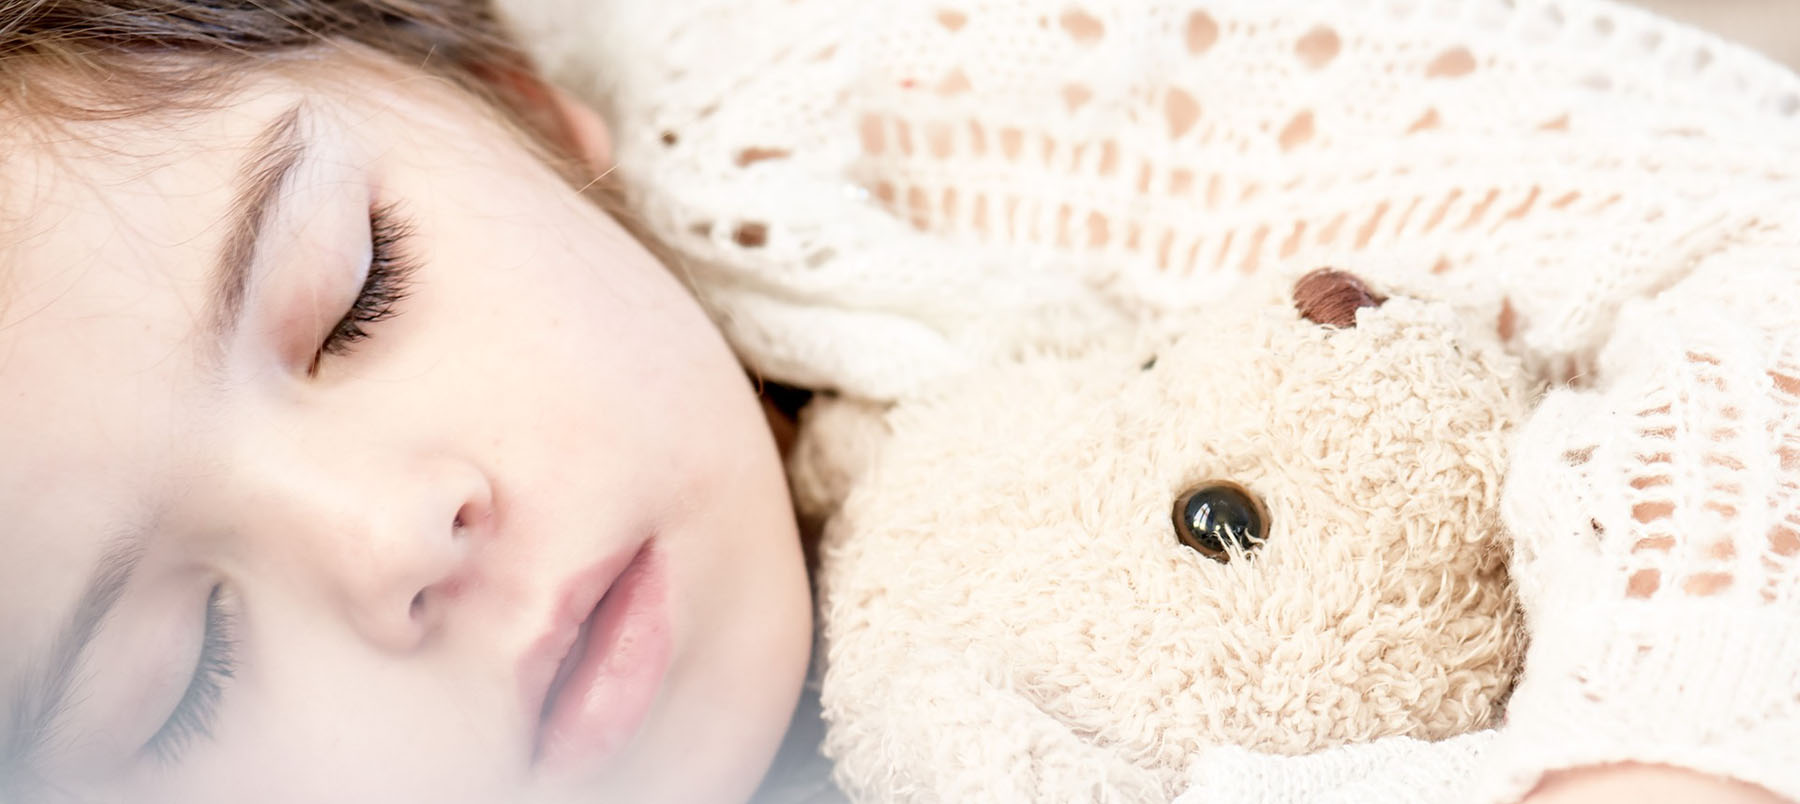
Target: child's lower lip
[{"x": 608, "y": 694}]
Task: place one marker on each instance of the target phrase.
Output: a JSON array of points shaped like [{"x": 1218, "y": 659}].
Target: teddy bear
[{"x": 1271, "y": 525}]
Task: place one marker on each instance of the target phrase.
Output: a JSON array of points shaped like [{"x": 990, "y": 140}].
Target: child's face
[{"x": 355, "y": 573}]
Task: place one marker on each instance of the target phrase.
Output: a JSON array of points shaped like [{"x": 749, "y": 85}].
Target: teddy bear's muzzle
[{"x": 1331, "y": 297}]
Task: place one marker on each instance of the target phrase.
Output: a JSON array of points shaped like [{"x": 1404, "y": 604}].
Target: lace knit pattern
[
  {"x": 851, "y": 186},
  {"x": 878, "y": 197}
]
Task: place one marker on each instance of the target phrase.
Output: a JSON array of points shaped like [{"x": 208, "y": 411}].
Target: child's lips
[{"x": 592, "y": 677}]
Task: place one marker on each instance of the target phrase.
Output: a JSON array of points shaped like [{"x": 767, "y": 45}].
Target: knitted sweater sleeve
[
  {"x": 1656, "y": 519},
  {"x": 875, "y": 197}
]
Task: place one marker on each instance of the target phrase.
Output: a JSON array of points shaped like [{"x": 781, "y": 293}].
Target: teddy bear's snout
[{"x": 1331, "y": 297}]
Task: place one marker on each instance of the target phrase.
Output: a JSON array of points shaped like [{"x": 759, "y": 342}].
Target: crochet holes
[
  {"x": 1453, "y": 63},
  {"x": 1524, "y": 207},
  {"x": 939, "y": 141},
  {"x": 1181, "y": 110},
  {"x": 1785, "y": 383},
  {"x": 1442, "y": 209},
  {"x": 1426, "y": 122},
  {"x": 954, "y": 83},
  {"x": 1012, "y": 143},
  {"x": 1074, "y": 95},
  {"x": 1297, "y": 131},
  {"x": 1329, "y": 233},
  {"x": 1784, "y": 540},
  {"x": 1318, "y": 47},
  {"x": 1291, "y": 244},
  {"x": 1650, "y": 513},
  {"x": 1496, "y": 207},
  {"x": 750, "y": 156},
  {"x": 751, "y": 234},
  {"x": 1082, "y": 27},
  {"x": 1706, "y": 584},
  {"x": 872, "y": 130},
  {"x": 1202, "y": 32},
  {"x": 1480, "y": 209},
  {"x": 1643, "y": 583},
  {"x": 1367, "y": 231},
  {"x": 1098, "y": 230},
  {"x": 918, "y": 207},
  {"x": 1789, "y": 457},
  {"x": 1673, "y": 531},
  {"x": 1252, "y": 251},
  {"x": 1782, "y": 556}
]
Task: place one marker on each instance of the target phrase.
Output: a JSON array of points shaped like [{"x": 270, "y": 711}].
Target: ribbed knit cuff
[{"x": 1709, "y": 686}]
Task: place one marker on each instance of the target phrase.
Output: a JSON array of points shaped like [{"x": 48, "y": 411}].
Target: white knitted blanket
[{"x": 878, "y": 196}]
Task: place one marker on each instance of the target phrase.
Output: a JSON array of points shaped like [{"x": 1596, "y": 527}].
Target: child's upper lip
[{"x": 575, "y": 601}]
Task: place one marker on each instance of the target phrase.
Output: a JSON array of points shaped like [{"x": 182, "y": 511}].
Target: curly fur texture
[{"x": 1009, "y": 616}]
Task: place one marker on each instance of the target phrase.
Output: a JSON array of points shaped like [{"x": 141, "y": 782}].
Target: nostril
[
  {"x": 470, "y": 515},
  {"x": 1331, "y": 297},
  {"x": 418, "y": 605}
]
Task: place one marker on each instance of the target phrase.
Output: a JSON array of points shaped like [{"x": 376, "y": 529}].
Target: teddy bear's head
[{"x": 1278, "y": 530}]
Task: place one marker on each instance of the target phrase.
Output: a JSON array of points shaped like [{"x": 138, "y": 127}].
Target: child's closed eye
[
  {"x": 193, "y": 716},
  {"x": 385, "y": 286}
]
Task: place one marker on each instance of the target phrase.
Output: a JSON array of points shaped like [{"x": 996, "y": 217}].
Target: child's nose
[
  {"x": 392, "y": 549},
  {"x": 421, "y": 558}
]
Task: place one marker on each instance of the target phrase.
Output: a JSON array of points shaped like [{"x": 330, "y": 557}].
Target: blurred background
[{"x": 1772, "y": 26}]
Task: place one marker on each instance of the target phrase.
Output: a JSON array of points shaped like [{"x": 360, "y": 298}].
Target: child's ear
[
  {"x": 584, "y": 130},
  {"x": 565, "y": 121}
]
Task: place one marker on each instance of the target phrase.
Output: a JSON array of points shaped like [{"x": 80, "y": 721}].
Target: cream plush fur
[{"x": 1008, "y": 613}]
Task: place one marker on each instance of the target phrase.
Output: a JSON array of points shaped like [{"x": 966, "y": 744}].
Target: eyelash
[
  {"x": 193, "y": 716},
  {"x": 379, "y": 298},
  {"x": 388, "y": 282}
]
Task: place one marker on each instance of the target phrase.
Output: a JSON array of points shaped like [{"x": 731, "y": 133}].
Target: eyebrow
[
  {"x": 42, "y": 694},
  {"x": 274, "y": 156}
]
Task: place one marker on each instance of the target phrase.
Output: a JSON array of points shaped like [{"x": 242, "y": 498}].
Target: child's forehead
[
  {"x": 347, "y": 89},
  {"x": 108, "y": 202},
  {"x": 60, "y": 170},
  {"x": 139, "y": 169}
]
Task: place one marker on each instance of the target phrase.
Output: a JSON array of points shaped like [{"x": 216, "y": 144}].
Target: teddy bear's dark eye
[{"x": 1218, "y": 514}]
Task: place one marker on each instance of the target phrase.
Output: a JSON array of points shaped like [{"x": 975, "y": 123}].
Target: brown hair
[{"x": 65, "y": 60}]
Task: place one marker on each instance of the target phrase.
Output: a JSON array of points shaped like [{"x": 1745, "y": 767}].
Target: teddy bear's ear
[
  {"x": 839, "y": 439},
  {"x": 1331, "y": 297}
]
